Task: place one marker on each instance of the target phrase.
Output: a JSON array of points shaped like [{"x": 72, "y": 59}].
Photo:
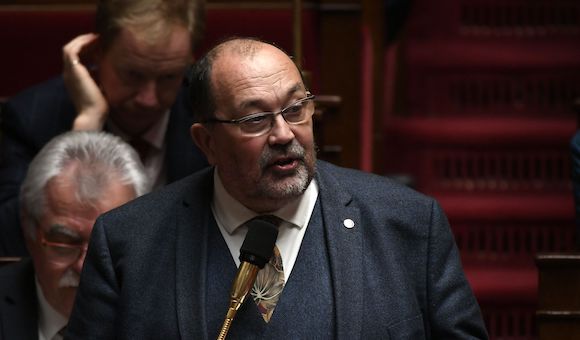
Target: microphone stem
[
  {"x": 242, "y": 284},
  {"x": 225, "y": 328}
]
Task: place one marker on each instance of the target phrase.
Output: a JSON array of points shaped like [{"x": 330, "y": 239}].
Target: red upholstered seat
[{"x": 31, "y": 42}]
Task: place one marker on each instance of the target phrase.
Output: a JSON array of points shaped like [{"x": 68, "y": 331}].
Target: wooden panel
[
  {"x": 8, "y": 260},
  {"x": 340, "y": 75},
  {"x": 558, "y": 313},
  {"x": 559, "y": 282},
  {"x": 372, "y": 80},
  {"x": 558, "y": 326}
]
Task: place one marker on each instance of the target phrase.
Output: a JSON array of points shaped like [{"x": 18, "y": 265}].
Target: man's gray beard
[{"x": 300, "y": 180}]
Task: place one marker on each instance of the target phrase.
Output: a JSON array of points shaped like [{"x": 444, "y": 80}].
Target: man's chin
[
  {"x": 67, "y": 301},
  {"x": 285, "y": 187},
  {"x": 136, "y": 124}
]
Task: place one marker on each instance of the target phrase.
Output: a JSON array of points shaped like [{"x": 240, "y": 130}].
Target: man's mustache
[
  {"x": 292, "y": 150},
  {"x": 70, "y": 279}
]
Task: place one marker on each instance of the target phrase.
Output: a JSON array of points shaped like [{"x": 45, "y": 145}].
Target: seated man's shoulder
[
  {"x": 44, "y": 107},
  {"x": 10, "y": 272},
  {"x": 46, "y": 88}
]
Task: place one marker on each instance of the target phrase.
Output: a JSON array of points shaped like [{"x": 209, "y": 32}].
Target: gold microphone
[{"x": 255, "y": 252}]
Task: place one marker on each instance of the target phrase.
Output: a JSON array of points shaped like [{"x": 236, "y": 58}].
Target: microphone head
[{"x": 259, "y": 243}]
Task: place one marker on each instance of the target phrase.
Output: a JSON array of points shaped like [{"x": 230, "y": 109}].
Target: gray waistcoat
[{"x": 306, "y": 306}]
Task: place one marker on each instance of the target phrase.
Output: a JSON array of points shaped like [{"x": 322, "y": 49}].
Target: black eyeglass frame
[{"x": 249, "y": 117}]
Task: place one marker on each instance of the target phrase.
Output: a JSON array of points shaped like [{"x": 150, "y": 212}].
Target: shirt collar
[
  {"x": 232, "y": 214},
  {"x": 50, "y": 321},
  {"x": 154, "y": 136}
]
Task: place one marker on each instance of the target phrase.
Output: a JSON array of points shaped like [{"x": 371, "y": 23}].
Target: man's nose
[
  {"x": 77, "y": 266},
  {"x": 281, "y": 132},
  {"x": 147, "y": 94}
]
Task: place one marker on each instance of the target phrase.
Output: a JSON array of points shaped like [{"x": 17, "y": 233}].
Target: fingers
[
  {"x": 84, "y": 92},
  {"x": 72, "y": 50},
  {"x": 76, "y": 76}
]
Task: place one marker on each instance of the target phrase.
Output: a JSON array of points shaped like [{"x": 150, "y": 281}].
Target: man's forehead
[
  {"x": 163, "y": 52},
  {"x": 247, "y": 51},
  {"x": 231, "y": 67},
  {"x": 242, "y": 47},
  {"x": 241, "y": 92}
]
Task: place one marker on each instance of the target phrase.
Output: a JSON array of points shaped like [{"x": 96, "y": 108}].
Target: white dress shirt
[
  {"x": 231, "y": 214},
  {"x": 50, "y": 322}
]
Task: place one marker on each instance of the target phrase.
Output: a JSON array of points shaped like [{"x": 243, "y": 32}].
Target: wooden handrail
[{"x": 9, "y": 259}]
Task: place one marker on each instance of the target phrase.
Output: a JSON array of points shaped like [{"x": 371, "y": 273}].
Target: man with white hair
[{"x": 75, "y": 178}]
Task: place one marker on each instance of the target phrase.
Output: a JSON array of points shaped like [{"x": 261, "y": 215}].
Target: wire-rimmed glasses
[
  {"x": 260, "y": 123},
  {"x": 62, "y": 253}
]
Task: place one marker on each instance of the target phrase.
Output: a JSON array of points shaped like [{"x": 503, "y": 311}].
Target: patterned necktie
[
  {"x": 270, "y": 281},
  {"x": 142, "y": 147}
]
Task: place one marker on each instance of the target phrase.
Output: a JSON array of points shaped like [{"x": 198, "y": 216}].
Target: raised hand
[{"x": 89, "y": 101}]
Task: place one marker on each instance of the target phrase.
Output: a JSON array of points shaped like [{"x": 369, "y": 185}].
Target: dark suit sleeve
[
  {"x": 94, "y": 313},
  {"x": 28, "y": 121},
  {"x": 15, "y": 155},
  {"x": 454, "y": 312}
]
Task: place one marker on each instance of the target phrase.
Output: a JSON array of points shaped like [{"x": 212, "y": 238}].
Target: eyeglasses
[
  {"x": 260, "y": 123},
  {"x": 63, "y": 253}
]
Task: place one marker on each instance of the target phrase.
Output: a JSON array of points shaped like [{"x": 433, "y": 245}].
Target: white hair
[{"x": 102, "y": 157}]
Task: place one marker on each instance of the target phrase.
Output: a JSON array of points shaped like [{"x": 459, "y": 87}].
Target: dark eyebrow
[{"x": 56, "y": 230}]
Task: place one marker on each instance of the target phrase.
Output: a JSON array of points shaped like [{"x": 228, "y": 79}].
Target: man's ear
[{"x": 203, "y": 138}]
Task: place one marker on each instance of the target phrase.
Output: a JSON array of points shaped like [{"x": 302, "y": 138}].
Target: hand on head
[{"x": 89, "y": 101}]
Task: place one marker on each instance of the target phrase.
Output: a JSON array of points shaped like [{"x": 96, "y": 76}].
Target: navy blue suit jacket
[
  {"x": 396, "y": 274},
  {"x": 18, "y": 304},
  {"x": 30, "y": 119}
]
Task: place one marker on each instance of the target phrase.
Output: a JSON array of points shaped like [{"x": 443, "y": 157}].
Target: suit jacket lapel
[
  {"x": 193, "y": 218},
  {"x": 345, "y": 250}
]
